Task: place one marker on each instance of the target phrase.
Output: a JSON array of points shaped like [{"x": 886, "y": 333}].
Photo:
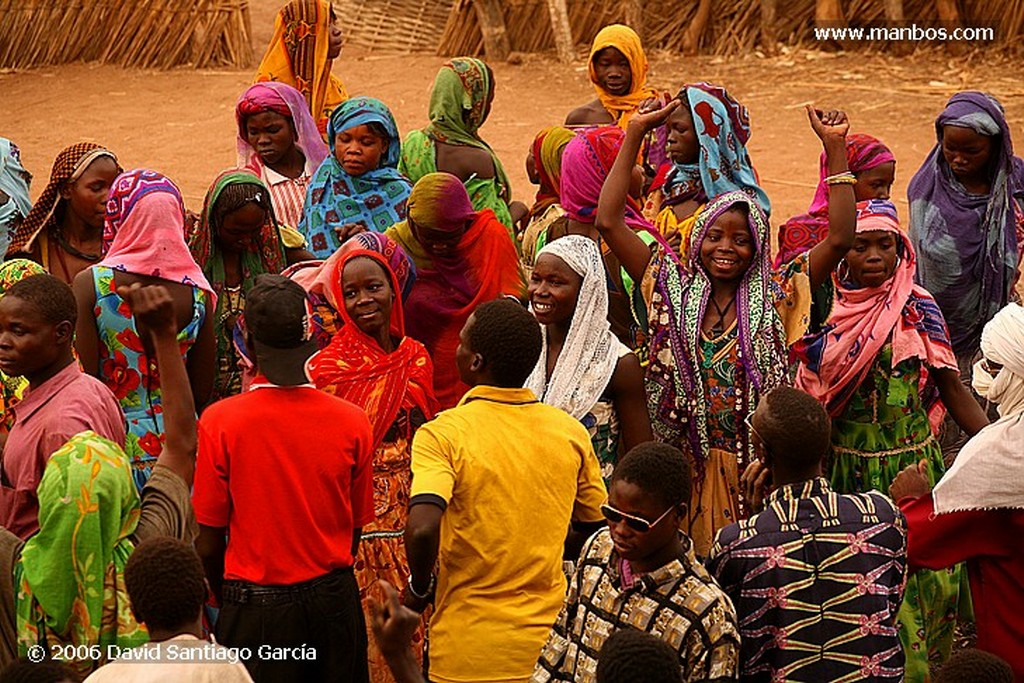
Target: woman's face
[
  {"x": 728, "y": 247},
  {"x": 872, "y": 260},
  {"x": 86, "y": 197},
  {"x": 271, "y": 135},
  {"x": 368, "y": 295},
  {"x": 359, "y": 149},
  {"x": 875, "y": 183},
  {"x": 437, "y": 242},
  {"x": 240, "y": 228},
  {"x": 554, "y": 290},
  {"x": 335, "y": 38},
  {"x": 966, "y": 152},
  {"x": 682, "y": 147}
]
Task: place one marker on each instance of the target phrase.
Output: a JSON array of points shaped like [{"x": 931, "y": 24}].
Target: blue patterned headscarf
[
  {"x": 376, "y": 198},
  {"x": 966, "y": 243},
  {"x": 722, "y": 126},
  {"x": 14, "y": 181}
]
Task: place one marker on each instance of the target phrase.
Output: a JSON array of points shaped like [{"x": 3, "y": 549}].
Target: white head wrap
[
  {"x": 1002, "y": 342},
  {"x": 591, "y": 352},
  {"x": 987, "y": 473}
]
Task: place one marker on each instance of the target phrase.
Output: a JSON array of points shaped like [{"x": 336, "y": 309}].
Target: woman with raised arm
[{"x": 721, "y": 322}]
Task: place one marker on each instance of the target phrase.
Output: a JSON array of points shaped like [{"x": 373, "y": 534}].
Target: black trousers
[{"x": 313, "y": 631}]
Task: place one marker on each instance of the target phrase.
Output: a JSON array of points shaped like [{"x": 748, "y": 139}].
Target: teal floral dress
[
  {"x": 883, "y": 429},
  {"x": 131, "y": 374}
]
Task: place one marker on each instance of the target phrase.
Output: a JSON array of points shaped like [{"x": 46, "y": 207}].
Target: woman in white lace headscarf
[{"x": 583, "y": 368}]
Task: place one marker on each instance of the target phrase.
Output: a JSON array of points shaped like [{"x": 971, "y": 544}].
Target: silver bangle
[{"x": 430, "y": 587}]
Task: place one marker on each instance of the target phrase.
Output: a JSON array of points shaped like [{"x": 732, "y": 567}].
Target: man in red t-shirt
[{"x": 284, "y": 485}]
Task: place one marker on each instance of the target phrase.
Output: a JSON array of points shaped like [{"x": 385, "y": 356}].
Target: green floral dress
[{"x": 883, "y": 429}]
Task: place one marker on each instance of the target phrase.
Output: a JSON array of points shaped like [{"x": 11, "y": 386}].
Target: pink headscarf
[
  {"x": 586, "y": 161},
  {"x": 286, "y": 101},
  {"x": 145, "y": 224},
  {"x": 836, "y": 360}
]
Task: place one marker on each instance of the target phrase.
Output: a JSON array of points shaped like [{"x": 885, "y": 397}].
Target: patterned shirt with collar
[
  {"x": 679, "y": 602},
  {"x": 817, "y": 579}
]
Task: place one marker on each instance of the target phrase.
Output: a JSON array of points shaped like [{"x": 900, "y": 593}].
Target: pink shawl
[
  {"x": 146, "y": 224},
  {"x": 838, "y": 358}
]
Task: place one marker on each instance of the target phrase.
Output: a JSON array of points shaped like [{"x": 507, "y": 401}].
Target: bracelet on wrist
[
  {"x": 843, "y": 178},
  {"x": 426, "y": 594}
]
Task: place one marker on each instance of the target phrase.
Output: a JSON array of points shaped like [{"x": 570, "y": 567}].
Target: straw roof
[
  {"x": 139, "y": 33},
  {"x": 734, "y": 26}
]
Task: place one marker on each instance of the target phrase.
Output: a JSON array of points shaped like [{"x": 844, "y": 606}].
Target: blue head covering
[
  {"x": 14, "y": 180},
  {"x": 967, "y": 243},
  {"x": 722, "y": 126},
  {"x": 376, "y": 198}
]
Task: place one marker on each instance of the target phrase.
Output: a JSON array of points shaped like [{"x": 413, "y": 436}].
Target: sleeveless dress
[{"x": 127, "y": 370}]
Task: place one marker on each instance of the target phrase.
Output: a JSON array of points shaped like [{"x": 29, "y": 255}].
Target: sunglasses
[
  {"x": 749, "y": 421},
  {"x": 638, "y": 524}
]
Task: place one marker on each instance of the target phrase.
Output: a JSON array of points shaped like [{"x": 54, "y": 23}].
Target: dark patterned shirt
[
  {"x": 679, "y": 602},
  {"x": 817, "y": 579}
]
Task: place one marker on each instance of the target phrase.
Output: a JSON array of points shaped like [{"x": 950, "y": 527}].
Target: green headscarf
[
  {"x": 266, "y": 255},
  {"x": 69, "y": 579},
  {"x": 459, "y": 105}
]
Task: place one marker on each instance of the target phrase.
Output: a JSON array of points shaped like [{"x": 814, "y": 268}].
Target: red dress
[{"x": 990, "y": 542}]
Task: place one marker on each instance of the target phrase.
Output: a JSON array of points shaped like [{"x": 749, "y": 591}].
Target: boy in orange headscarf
[{"x": 618, "y": 70}]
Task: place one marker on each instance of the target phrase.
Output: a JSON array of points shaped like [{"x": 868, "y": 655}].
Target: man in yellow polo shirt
[{"x": 497, "y": 480}]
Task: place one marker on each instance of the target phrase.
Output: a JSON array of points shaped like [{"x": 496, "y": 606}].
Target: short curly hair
[
  {"x": 660, "y": 470},
  {"x": 795, "y": 427},
  {"x": 509, "y": 339},
  {"x": 49, "y": 296},
  {"x": 632, "y": 656},
  {"x": 165, "y": 583},
  {"x": 974, "y": 666}
]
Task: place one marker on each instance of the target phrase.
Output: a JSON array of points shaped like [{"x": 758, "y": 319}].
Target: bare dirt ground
[{"x": 181, "y": 122}]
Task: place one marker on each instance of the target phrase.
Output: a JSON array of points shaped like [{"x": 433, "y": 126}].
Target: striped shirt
[
  {"x": 817, "y": 580},
  {"x": 679, "y": 603},
  {"x": 288, "y": 195}
]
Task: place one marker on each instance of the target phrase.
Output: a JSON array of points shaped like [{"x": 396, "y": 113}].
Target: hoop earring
[
  {"x": 839, "y": 270},
  {"x": 899, "y": 260}
]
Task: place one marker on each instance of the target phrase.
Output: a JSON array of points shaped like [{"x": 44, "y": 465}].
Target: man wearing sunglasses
[
  {"x": 817, "y": 577},
  {"x": 641, "y": 573}
]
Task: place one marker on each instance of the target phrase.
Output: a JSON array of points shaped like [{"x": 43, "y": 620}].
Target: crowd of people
[{"x": 368, "y": 417}]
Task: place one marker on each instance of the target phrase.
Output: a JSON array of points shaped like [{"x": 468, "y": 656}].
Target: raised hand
[
  {"x": 152, "y": 306},
  {"x": 828, "y": 124},
  {"x": 651, "y": 114}
]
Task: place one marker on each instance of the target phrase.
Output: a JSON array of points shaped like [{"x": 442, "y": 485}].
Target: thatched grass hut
[{"x": 140, "y": 33}]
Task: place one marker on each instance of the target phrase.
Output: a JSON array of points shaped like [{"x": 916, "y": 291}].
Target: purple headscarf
[{"x": 966, "y": 243}]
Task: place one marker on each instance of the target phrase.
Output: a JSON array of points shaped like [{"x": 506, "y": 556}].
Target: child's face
[
  {"x": 682, "y": 146},
  {"x": 966, "y": 152},
  {"x": 359, "y": 149},
  {"x": 271, "y": 135},
  {"x": 240, "y": 228},
  {"x": 728, "y": 247},
  {"x": 87, "y": 196},
  {"x": 611, "y": 69},
  {"x": 633, "y": 545},
  {"x": 28, "y": 343},
  {"x": 531, "y": 169},
  {"x": 875, "y": 183}
]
